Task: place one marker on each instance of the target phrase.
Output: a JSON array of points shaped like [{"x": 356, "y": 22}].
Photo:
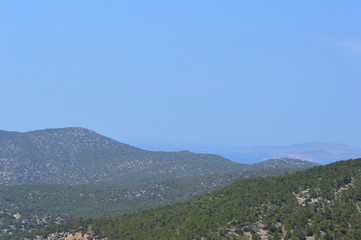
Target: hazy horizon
[{"x": 205, "y": 73}]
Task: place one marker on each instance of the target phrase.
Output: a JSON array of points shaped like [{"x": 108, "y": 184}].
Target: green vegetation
[
  {"x": 323, "y": 202},
  {"x": 78, "y": 201},
  {"x": 38, "y": 206}
]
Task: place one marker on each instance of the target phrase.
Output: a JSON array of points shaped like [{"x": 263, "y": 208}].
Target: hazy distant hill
[
  {"x": 319, "y": 152},
  {"x": 78, "y": 156},
  {"x": 283, "y": 163},
  {"x": 321, "y": 203}
]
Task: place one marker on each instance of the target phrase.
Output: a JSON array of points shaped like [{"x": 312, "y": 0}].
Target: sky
[{"x": 177, "y": 74}]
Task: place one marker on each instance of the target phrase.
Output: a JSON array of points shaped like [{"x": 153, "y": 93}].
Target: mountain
[
  {"x": 81, "y": 156},
  {"x": 323, "y": 202},
  {"x": 317, "y": 152}
]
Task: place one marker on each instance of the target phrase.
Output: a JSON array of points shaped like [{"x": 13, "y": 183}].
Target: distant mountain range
[
  {"x": 81, "y": 156},
  {"x": 316, "y": 152}
]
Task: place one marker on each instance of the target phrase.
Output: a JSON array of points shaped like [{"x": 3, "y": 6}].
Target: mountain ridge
[
  {"x": 81, "y": 156},
  {"x": 78, "y": 156}
]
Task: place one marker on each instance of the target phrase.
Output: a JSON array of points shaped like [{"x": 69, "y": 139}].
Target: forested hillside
[
  {"x": 32, "y": 207},
  {"x": 320, "y": 203}
]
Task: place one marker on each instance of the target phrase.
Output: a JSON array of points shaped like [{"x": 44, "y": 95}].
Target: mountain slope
[
  {"x": 323, "y": 203},
  {"x": 81, "y": 156}
]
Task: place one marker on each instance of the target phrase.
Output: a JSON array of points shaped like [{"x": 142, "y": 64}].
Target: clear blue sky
[{"x": 184, "y": 72}]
